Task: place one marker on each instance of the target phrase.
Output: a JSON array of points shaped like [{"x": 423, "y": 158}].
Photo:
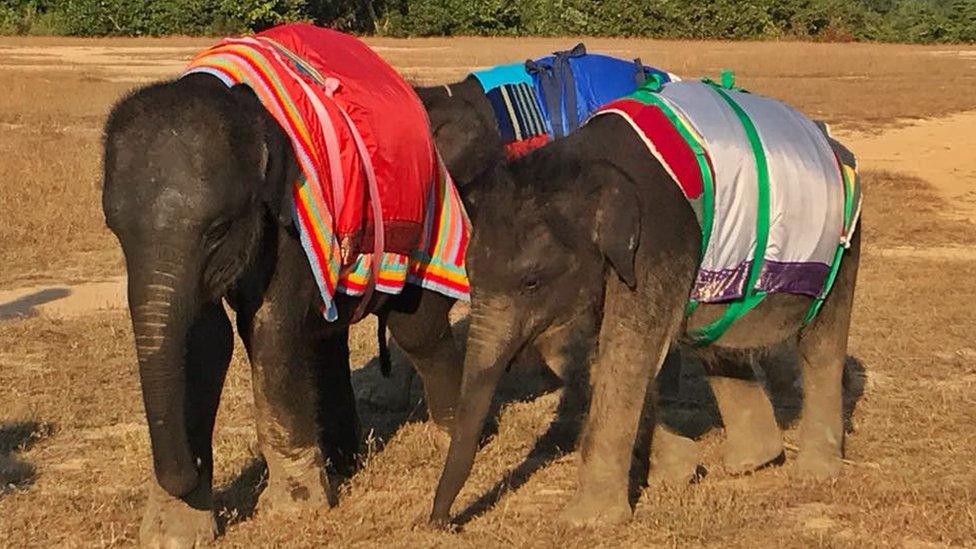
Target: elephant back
[
  {"x": 372, "y": 188},
  {"x": 776, "y": 203}
]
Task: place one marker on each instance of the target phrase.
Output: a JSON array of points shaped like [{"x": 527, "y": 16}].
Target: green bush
[
  {"x": 923, "y": 21},
  {"x": 139, "y": 17},
  {"x": 30, "y": 17},
  {"x": 889, "y": 20}
]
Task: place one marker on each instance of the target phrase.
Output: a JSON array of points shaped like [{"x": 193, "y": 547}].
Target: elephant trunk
[
  {"x": 491, "y": 345},
  {"x": 161, "y": 317}
]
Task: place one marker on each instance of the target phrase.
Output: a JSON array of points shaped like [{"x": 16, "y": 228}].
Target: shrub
[{"x": 888, "y": 20}]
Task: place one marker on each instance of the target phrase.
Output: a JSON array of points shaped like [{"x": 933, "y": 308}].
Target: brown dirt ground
[{"x": 73, "y": 448}]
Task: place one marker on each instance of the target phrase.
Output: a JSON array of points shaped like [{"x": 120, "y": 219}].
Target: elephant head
[
  {"x": 547, "y": 231},
  {"x": 464, "y": 128},
  {"x": 195, "y": 173}
]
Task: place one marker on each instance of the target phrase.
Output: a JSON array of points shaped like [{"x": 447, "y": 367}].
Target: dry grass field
[{"x": 74, "y": 455}]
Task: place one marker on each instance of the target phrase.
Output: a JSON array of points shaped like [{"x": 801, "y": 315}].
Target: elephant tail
[{"x": 386, "y": 366}]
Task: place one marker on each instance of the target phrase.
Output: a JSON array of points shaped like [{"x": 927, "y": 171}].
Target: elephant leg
[
  {"x": 822, "y": 347},
  {"x": 632, "y": 346},
  {"x": 752, "y": 437},
  {"x": 282, "y": 332},
  {"x": 337, "y": 417},
  {"x": 422, "y": 328},
  {"x": 189, "y": 521},
  {"x": 674, "y": 457},
  {"x": 286, "y": 401}
]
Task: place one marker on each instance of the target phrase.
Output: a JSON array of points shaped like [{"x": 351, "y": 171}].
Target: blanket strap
[
  {"x": 752, "y": 297},
  {"x": 559, "y": 89},
  {"x": 849, "y": 213},
  {"x": 377, "y": 207},
  {"x": 640, "y": 75}
]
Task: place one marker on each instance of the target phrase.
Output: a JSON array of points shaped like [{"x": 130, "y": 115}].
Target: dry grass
[
  {"x": 53, "y": 225},
  {"x": 925, "y": 220},
  {"x": 74, "y": 454},
  {"x": 82, "y": 474}
]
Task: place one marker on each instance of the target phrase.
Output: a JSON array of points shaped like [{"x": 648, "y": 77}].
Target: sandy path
[
  {"x": 939, "y": 151},
  {"x": 61, "y": 300}
]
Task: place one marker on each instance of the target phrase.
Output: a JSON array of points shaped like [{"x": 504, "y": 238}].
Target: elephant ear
[
  {"x": 277, "y": 165},
  {"x": 618, "y": 222}
]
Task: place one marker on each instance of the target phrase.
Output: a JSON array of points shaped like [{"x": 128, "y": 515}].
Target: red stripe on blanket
[
  {"x": 517, "y": 149},
  {"x": 670, "y": 146}
]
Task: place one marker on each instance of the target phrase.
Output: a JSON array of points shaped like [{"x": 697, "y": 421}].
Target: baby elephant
[
  {"x": 219, "y": 194},
  {"x": 692, "y": 190}
]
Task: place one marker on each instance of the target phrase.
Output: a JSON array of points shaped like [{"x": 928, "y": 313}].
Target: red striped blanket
[{"x": 363, "y": 143}]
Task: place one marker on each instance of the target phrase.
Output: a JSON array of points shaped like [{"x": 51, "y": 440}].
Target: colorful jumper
[
  {"x": 371, "y": 179},
  {"x": 777, "y": 199}
]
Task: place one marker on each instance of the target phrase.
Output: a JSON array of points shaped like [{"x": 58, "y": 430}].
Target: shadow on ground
[
  {"x": 386, "y": 404},
  {"x": 685, "y": 405},
  {"x": 23, "y": 307},
  {"x": 17, "y": 437},
  {"x": 236, "y": 501}
]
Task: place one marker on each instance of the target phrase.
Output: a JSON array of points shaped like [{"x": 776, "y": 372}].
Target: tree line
[{"x": 915, "y": 21}]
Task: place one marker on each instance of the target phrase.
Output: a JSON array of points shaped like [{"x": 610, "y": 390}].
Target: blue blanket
[{"x": 550, "y": 97}]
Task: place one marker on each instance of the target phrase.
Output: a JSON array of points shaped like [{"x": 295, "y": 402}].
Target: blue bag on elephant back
[{"x": 550, "y": 97}]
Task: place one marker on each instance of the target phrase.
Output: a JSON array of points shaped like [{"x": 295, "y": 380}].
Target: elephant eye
[
  {"x": 530, "y": 283},
  {"x": 218, "y": 231}
]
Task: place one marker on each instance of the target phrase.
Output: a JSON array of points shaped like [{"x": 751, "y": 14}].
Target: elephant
[
  {"x": 195, "y": 180},
  {"x": 467, "y": 136},
  {"x": 591, "y": 232}
]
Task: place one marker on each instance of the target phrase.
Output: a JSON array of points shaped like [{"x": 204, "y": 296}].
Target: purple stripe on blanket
[
  {"x": 776, "y": 277},
  {"x": 793, "y": 278},
  {"x": 721, "y": 285}
]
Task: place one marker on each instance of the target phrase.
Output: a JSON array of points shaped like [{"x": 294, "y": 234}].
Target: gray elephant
[
  {"x": 467, "y": 128},
  {"x": 198, "y": 188},
  {"x": 607, "y": 232}
]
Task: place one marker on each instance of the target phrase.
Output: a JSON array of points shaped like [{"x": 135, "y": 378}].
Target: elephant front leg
[
  {"x": 284, "y": 331},
  {"x": 171, "y": 522},
  {"x": 423, "y": 332},
  {"x": 189, "y": 521},
  {"x": 632, "y": 346},
  {"x": 287, "y": 405}
]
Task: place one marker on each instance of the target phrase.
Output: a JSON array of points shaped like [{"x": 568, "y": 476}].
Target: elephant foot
[
  {"x": 296, "y": 486},
  {"x": 747, "y": 454},
  {"x": 818, "y": 465},
  {"x": 171, "y": 523},
  {"x": 674, "y": 459},
  {"x": 597, "y": 511},
  {"x": 753, "y": 439}
]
